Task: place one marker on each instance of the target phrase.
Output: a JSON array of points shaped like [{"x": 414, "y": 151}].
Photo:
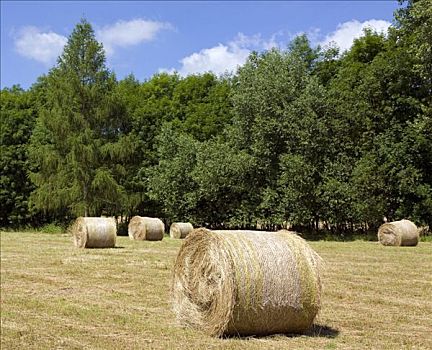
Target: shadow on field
[
  {"x": 315, "y": 331},
  {"x": 99, "y": 248},
  {"x": 318, "y": 330}
]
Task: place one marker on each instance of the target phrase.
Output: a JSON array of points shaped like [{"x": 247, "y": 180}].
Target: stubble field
[{"x": 55, "y": 296}]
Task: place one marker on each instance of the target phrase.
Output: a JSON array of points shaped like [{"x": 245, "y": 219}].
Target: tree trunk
[{"x": 85, "y": 200}]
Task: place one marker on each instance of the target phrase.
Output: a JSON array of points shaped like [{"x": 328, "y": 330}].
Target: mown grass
[{"x": 55, "y": 296}]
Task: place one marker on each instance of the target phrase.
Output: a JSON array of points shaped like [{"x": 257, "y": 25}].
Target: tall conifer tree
[{"x": 75, "y": 145}]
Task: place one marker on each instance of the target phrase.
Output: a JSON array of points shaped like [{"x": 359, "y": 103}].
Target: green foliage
[
  {"x": 365, "y": 48},
  {"x": 200, "y": 105},
  {"x": 197, "y": 105},
  {"x": 379, "y": 98},
  {"x": 18, "y": 114},
  {"x": 368, "y": 190},
  {"x": 281, "y": 120},
  {"x": 74, "y": 145},
  {"x": 327, "y": 65},
  {"x": 222, "y": 176},
  {"x": 297, "y": 189},
  {"x": 51, "y": 228},
  {"x": 170, "y": 181}
]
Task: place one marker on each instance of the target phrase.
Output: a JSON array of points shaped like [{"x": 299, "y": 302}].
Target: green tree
[
  {"x": 352, "y": 177},
  {"x": 201, "y": 105},
  {"x": 327, "y": 65},
  {"x": 280, "y": 114},
  {"x": 296, "y": 196},
  {"x": 149, "y": 106},
  {"x": 170, "y": 181},
  {"x": 18, "y": 115},
  {"x": 222, "y": 175},
  {"x": 382, "y": 119},
  {"x": 127, "y": 91},
  {"x": 195, "y": 108},
  {"x": 77, "y": 144}
]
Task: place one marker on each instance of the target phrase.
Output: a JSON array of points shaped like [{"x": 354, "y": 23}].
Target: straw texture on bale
[
  {"x": 180, "y": 229},
  {"x": 246, "y": 282},
  {"x": 398, "y": 233},
  {"x": 94, "y": 232},
  {"x": 146, "y": 229}
]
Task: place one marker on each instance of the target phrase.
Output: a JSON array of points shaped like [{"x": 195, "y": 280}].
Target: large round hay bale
[
  {"x": 180, "y": 229},
  {"x": 398, "y": 233},
  {"x": 94, "y": 232},
  {"x": 146, "y": 229},
  {"x": 246, "y": 282}
]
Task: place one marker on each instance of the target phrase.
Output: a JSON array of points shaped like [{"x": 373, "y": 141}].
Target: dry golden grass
[{"x": 56, "y": 296}]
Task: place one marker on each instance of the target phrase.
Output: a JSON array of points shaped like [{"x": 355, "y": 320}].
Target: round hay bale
[
  {"x": 398, "y": 233},
  {"x": 246, "y": 282},
  {"x": 146, "y": 229},
  {"x": 94, "y": 232},
  {"x": 180, "y": 230}
]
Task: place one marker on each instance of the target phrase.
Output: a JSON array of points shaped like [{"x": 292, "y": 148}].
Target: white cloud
[
  {"x": 223, "y": 58},
  {"x": 32, "y": 43},
  {"x": 227, "y": 57},
  {"x": 129, "y": 33},
  {"x": 45, "y": 47},
  {"x": 346, "y": 32},
  {"x": 255, "y": 42},
  {"x": 218, "y": 59}
]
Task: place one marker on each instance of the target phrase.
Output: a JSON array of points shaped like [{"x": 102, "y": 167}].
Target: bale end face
[{"x": 389, "y": 235}]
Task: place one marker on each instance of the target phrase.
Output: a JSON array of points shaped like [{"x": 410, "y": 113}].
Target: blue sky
[{"x": 146, "y": 37}]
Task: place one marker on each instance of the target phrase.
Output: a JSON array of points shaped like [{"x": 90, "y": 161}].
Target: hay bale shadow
[
  {"x": 315, "y": 331},
  {"x": 321, "y": 331},
  {"x": 98, "y": 248}
]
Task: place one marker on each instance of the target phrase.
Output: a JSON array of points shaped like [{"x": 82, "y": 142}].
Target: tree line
[{"x": 303, "y": 136}]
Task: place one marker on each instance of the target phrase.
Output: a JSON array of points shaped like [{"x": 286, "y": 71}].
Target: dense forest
[{"x": 305, "y": 136}]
